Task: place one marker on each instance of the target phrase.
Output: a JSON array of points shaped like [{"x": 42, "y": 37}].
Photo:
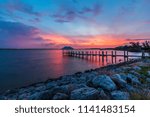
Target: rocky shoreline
[{"x": 124, "y": 81}]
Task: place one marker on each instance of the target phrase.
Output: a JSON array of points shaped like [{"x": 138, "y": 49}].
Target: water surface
[{"x": 23, "y": 67}]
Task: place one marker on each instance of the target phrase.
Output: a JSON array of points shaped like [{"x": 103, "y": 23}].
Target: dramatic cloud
[
  {"x": 15, "y": 34},
  {"x": 18, "y": 5},
  {"x": 77, "y": 23},
  {"x": 68, "y": 14}
]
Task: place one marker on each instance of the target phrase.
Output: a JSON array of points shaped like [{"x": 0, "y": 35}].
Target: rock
[
  {"x": 24, "y": 96},
  {"x": 123, "y": 76},
  {"x": 39, "y": 84},
  {"x": 67, "y": 89},
  {"x": 60, "y": 96},
  {"x": 148, "y": 72},
  {"x": 148, "y": 80},
  {"x": 51, "y": 85},
  {"x": 119, "y": 81},
  {"x": 104, "y": 82},
  {"x": 137, "y": 68},
  {"x": 136, "y": 74},
  {"x": 141, "y": 64},
  {"x": 40, "y": 88},
  {"x": 102, "y": 94},
  {"x": 80, "y": 80},
  {"x": 44, "y": 95},
  {"x": 69, "y": 79},
  {"x": 85, "y": 94},
  {"x": 119, "y": 95},
  {"x": 27, "y": 89},
  {"x": 13, "y": 91},
  {"x": 3, "y": 98},
  {"x": 133, "y": 79},
  {"x": 130, "y": 88},
  {"x": 126, "y": 68},
  {"x": 89, "y": 76}
]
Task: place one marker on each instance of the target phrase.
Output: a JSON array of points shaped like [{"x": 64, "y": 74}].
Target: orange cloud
[
  {"x": 97, "y": 41},
  {"x": 55, "y": 38}
]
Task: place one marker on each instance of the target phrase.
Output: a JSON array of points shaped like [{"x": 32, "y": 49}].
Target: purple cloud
[
  {"x": 14, "y": 34},
  {"x": 69, "y": 14}
]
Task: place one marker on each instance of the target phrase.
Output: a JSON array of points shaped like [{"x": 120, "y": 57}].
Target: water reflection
[{"x": 23, "y": 67}]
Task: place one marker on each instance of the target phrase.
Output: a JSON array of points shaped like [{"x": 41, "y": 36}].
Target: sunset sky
[{"x": 77, "y": 23}]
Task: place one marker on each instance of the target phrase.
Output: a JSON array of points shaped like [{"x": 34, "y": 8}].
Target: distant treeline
[{"x": 136, "y": 47}]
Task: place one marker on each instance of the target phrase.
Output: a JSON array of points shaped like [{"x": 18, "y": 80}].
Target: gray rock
[
  {"x": 120, "y": 82},
  {"x": 133, "y": 79},
  {"x": 104, "y": 82},
  {"x": 119, "y": 95},
  {"x": 13, "y": 91},
  {"x": 90, "y": 75},
  {"x": 136, "y": 74},
  {"x": 24, "y": 96},
  {"x": 44, "y": 95},
  {"x": 51, "y": 85},
  {"x": 123, "y": 76},
  {"x": 34, "y": 96},
  {"x": 148, "y": 80},
  {"x": 40, "y": 88},
  {"x": 26, "y": 90},
  {"x": 141, "y": 64},
  {"x": 67, "y": 89},
  {"x": 3, "y": 98},
  {"x": 60, "y": 96},
  {"x": 85, "y": 94},
  {"x": 102, "y": 94},
  {"x": 80, "y": 80},
  {"x": 148, "y": 72},
  {"x": 137, "y": 68},
  {"x": 69, "y": 79},
  {"x": 126, "y": 68},
  {"x": 130, "y": 88},
  {"x": 39, "y": 84}
]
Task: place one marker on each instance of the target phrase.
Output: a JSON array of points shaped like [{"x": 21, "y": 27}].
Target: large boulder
[
  {"x": 104, "y": 82},
  {"x": 119, "y": 95},
  {"x": 119, "y": 81},
  {"x": 85, "y": 94}
]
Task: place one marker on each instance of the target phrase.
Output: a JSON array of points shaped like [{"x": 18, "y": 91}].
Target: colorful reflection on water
[{"x": 23, "y": 67}]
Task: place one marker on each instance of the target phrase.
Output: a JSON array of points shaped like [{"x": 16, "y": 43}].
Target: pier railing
[{"x": 100, "y": 53}]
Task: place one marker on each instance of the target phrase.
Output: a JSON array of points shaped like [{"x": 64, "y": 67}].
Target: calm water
[{"x": 23, "y": 67}]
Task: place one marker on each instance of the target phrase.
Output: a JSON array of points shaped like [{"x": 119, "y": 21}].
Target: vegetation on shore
[{"x": 136, "y": 47}]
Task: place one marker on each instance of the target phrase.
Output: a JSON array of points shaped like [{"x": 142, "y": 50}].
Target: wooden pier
[{"x": 104, "y": 54}]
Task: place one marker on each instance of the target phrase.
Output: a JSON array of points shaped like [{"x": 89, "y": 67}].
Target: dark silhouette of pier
[{"x": 102, "y": 55}]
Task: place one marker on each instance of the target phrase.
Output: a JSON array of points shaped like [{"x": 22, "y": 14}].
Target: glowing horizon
[{"x": 77, "y": 23}]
